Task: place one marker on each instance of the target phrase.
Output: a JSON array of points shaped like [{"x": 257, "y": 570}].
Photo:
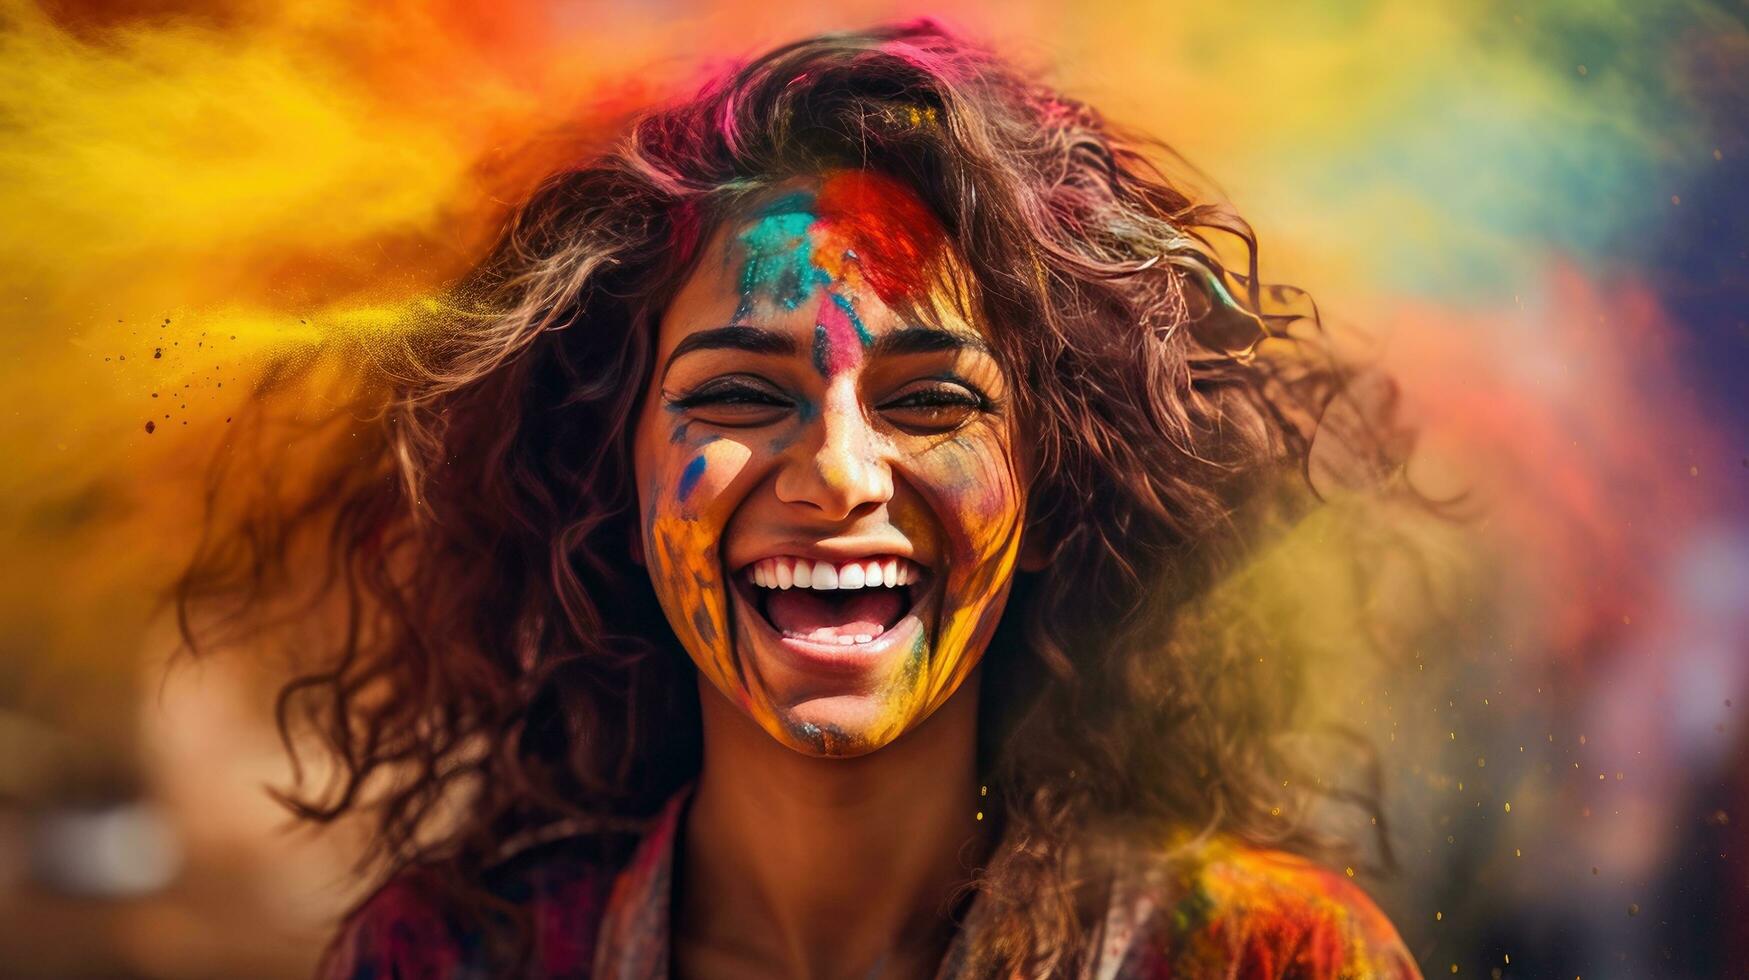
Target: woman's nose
[{"x": 839, "y": 468}]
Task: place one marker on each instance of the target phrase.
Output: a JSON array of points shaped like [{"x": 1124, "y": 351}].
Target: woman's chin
[
  {"x": 834, "y": 699},
  {"x": 839, "y": 726}
]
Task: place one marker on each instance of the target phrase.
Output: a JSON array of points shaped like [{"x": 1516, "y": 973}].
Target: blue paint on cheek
[{"x": 689, "y": 477}]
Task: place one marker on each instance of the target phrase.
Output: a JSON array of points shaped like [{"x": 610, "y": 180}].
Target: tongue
[{"x": 830, "y": 615}]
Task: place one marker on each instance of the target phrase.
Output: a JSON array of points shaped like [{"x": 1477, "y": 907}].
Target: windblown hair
[{"x": 496, "y": 667}]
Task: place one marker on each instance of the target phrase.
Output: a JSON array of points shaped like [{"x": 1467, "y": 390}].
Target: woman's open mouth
[{"x": 844, "y": 604}]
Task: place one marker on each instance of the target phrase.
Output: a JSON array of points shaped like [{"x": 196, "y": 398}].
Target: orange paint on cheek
[
  {"x": 980, "y": 501},
  {"x": 686, "y": 510}
]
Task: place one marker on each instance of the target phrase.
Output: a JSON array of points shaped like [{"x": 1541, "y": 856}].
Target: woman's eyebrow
[
  {"x": 735, "y": 336},
  {"x": 758, "y": 340},
  {"x": 927, "y": 340}
]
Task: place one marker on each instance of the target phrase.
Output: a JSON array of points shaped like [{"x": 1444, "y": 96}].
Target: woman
[{"x": 776, "y": 561}]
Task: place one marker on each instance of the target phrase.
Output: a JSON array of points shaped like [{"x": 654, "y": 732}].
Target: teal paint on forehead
[
  {"x": 782, "y": 266},
  {"x": 779, "y": 256}
]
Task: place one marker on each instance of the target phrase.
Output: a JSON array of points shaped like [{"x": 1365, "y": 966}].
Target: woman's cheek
[
  {"x": 978, "y": 492},
  {"x": 980, "y": 502},
  {"x": 690, "y": 499}
]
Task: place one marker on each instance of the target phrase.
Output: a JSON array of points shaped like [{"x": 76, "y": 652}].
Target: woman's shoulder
[
  {"x": 544, "y": 904},
  {"x": 1225, "y": 909}
]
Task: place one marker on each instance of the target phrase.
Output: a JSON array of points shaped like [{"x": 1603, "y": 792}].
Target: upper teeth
[{"x": 800, "y": 573}]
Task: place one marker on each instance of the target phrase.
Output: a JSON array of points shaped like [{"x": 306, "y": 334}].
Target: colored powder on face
[
  {"x": 849, "y": 309},
  {"x": 780, "y": 264},
  {"x": 804, "y": 242},
  {"x": 897, "y": 241},
  {"x": 690, "y": 476},
  {"x": 837, "y": 341}
]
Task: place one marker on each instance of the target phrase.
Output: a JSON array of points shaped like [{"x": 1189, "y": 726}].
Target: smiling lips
[{"x": 843, "y": 603}]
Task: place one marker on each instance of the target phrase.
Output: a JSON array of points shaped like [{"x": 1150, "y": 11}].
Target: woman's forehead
[
  {"x": 845, "y": 223},
  {"x": 846, "y": 242}
]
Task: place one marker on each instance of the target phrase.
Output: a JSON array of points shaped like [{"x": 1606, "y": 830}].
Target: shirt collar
[
  {"x": 634, "y": 939},
  {"x": 635, "y": 935}
]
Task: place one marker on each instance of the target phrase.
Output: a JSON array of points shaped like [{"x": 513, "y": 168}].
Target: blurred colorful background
[{"x": 1534, "y": 215}]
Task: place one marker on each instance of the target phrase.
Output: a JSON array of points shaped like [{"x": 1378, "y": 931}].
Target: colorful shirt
[{"x": 1226, "y": 911}]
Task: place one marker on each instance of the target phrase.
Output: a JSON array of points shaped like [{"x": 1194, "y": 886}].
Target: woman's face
[{"x": 831, "y": 492}]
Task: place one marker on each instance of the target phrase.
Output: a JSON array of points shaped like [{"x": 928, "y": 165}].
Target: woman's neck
[{"x": 806, "y": 867}]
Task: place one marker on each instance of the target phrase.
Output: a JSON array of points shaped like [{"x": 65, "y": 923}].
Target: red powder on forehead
[{"x": 897, "y": 239}]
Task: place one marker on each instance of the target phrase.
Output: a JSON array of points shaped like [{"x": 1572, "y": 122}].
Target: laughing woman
[{"x": 776, "y": 564}]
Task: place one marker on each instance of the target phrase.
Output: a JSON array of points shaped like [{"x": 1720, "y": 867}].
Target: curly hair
[{"x": 490, "y": 667}]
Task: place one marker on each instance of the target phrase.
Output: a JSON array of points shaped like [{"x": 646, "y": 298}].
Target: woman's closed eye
[
  {"x": 931, "y": 407},
  {"x": 935, "y": 407},
  {"x": 735, "y": 403}
]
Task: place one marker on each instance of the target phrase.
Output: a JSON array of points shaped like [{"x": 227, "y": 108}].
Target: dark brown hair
[{"x": 489, "y": 663}]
